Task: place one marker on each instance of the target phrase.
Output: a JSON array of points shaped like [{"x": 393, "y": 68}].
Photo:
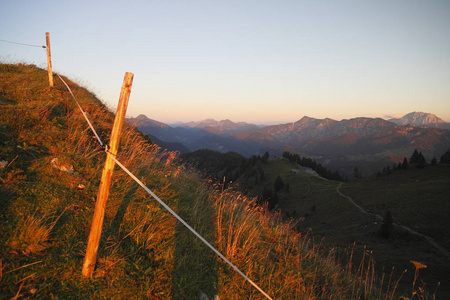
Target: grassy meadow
[
  {"x": 46, "y": 213},
  {"x": 416, "y": 198}
]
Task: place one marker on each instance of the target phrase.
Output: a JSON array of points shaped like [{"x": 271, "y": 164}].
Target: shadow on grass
[
  {"x": 118, "y": 218},
  {"x": 194, "y": 273},
  {"x": 195, "y": 265}
]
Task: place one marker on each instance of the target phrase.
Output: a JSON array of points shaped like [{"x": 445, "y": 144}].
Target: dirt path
[{"x": 380, "y": 218}]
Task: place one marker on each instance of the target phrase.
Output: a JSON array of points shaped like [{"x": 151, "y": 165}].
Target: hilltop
[{"x": 49, "y": 177}]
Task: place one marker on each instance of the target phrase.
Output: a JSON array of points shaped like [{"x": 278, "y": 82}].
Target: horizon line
[{"x": 268, "y": 123}]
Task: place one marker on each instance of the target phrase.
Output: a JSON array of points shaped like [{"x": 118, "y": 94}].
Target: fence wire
[
  {"x": 22, "y": 44},
  {"x": 159, "y": 200}
]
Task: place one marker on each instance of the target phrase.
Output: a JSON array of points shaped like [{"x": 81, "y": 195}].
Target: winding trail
[{"x": 378, "y": 217}]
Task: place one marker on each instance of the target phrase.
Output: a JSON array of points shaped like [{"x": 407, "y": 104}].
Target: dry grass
[
  {"x": 32, "y": 235},
  {"x": 144, "y": 253},
  {"x": 266, "y": 249},
  {"x": 285, "y": 264}
]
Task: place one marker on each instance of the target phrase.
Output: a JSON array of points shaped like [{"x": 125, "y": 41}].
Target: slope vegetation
[
  {"x": 352, "y": 213},
  {"x": 49, "y": 177}
]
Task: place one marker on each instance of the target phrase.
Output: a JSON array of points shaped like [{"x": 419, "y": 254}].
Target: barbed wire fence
[
  {"x": 151, "y": 193},
  {"x": 22, "y": 44},
  {"x": 105, "y": 148}
]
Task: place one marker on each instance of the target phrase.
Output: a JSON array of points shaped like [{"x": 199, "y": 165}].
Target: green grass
[
  {"x": 144, "y": 252},
  {"x": 416, "y": 198}
]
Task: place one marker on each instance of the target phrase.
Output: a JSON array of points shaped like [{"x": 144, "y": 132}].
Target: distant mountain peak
[
  {"x": 208, "y": 122},
  {"x": 211, "y": 122},
  {"x": 142, "y": 117},
  {"x": 419, "y": 119},
  {"x": 143, "y": 120},
  {"x": 223, "y": 127},
  {"x": 306, "y": 119}
]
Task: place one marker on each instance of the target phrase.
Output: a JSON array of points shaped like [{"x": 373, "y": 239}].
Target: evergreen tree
[
  {"x": 434, "y": 161},
  {"x": 445, "y": 158},
  {"x": 387, "y": 225},
  {"x": 421, "y": 162},
  {"x": 405, "y": 164},
  {"x": 278, "y": 184},
  {"x": 270, "y": 197},
  {"x": 388, "y": 170},
  {"x": 414, "y": 157},
  {"x": 261, "y": 174},
  {"x": 417, "y": 159},
  {"x": 265, "y": 158},
  {"x": 273, "y": 201}
]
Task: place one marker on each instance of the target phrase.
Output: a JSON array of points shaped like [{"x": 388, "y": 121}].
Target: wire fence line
[
  {"x": 185, "y": 224},
  {"x": 129, "y": 173},
  {"x": 105, "y": 148},
  {"x": 22, "y": 44},
  {"x": 83, "y": 112}
]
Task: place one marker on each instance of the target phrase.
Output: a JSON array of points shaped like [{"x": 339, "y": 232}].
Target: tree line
[
  {"x": 227, "y": 166},
  {"x": 312, "y": 164},
  {"x": 230, "y": 166},
  {"x": 417, "y": 160}
]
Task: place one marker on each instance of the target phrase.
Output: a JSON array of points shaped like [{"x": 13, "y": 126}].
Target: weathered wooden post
[
  {"x": 103, "y": 192},
  {"x": 49, "y": 60}
]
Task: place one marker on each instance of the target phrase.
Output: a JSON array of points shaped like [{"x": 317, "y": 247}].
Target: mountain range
[{"x": 366, "y": 143}]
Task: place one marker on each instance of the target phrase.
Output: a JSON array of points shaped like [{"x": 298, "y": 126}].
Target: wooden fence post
[
  {"x": 103, "y": 192},
  {"x": 49, "y": 60}
]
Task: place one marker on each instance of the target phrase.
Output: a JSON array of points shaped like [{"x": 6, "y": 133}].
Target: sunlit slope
[{"x": 46, "y": 214}]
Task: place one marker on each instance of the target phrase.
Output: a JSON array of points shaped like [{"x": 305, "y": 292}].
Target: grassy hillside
[
  {"x": 416, "y": 198},
  {"x": 45, "y": 214}
]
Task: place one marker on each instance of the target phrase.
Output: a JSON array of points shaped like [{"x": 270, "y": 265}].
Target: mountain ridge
[
  {"x": 370, "y": 143},
  {"x": 222, "y": 127}
]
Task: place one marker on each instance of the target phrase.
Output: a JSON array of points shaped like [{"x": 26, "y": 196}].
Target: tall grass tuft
[
  {"x": 285, "y": 264},
  {"x": 33, "y": 234},
  {"x": 267, "y": 250}
]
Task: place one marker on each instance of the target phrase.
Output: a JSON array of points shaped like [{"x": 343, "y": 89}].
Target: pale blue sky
[{"x": 254, "y": 61}]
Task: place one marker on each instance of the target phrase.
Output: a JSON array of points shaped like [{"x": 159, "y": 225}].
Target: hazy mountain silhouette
[
  {"x": 224, "y": 127},
  {"x": 369, "y": 143},
  {"x": 198, "y": 136}
]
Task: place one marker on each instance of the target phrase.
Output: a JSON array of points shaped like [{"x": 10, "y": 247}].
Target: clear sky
[{"x": 254, "y": 61}]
